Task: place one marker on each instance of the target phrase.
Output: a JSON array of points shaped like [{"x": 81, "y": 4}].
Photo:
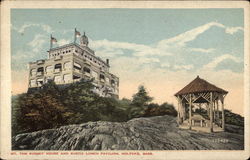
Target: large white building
[{"x": 72, "y": 62}]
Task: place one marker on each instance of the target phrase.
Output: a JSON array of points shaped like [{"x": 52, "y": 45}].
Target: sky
[{"x": 162, "y": 49}]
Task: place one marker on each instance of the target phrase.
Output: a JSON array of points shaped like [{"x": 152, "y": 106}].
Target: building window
[
  {"x": 102, "y": 76},
  {"x": 33, "y": 83},
  {"x": 40, "y": 69},
  {"x": 112, "y": 82},
  {"x": 76, "y": 77},
  {"x": 58, "y": 67},
  {"x": 77, "y": 66},
  {"x": 39, "y": 82},
  {"x": 48, "y": 79},
  {"x": 33, "y": 72},
  {"x": 86, "y": 69},
  {"x": 58, "y": 79}
]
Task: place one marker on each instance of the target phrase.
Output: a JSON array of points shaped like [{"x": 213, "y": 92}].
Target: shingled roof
[{"x": 199, "y": 85}]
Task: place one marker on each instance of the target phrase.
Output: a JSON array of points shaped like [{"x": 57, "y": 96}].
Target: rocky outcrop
[{"x": 154, "y": 133}]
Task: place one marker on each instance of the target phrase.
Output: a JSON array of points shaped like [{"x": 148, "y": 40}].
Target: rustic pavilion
[{"x": 201, "y": 106}]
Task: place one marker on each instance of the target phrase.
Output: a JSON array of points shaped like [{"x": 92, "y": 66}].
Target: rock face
[{"x": 154, "y": 133}]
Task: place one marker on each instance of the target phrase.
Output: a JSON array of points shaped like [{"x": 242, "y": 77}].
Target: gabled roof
[{"x": 199, "y": 85}]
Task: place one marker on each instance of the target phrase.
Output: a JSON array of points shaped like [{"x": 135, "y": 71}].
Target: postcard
[{"x": 124, "y": 80}]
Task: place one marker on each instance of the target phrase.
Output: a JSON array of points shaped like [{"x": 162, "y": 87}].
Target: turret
[{"x": 84, "y": 40}]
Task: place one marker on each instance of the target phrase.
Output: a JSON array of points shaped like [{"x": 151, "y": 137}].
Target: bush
[
  {"x": 52, "y": 106},
  {"x": 233, "y": 118},
  {"x": 159, "y": 110}
]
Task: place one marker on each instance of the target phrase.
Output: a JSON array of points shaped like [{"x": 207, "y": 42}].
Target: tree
[
  {"x": 139, "y": 103},
  {"x": 36, "y": 111},
  {"x": 141, "y": 98}
]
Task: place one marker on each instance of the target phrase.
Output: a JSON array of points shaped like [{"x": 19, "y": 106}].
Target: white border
[{"x": 5, "y": 100}]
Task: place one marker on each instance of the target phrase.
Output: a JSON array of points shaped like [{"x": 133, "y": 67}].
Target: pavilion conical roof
[{"x": 199, "y": 85}]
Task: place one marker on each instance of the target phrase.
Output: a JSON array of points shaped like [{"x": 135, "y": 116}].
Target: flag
[
  {"x": 77, "y": 33},
  {"x": 53, "y": 40}
]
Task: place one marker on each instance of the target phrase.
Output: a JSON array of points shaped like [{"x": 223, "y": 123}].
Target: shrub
[
  {"x": 154, "y": 109},
  {"x": 52, "y": 106}
]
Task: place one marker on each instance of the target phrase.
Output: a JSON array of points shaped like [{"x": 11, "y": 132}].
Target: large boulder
[{"x": 154, "y": 133}]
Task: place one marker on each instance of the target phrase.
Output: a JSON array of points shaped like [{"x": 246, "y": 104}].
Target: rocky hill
[{"x": 154, "y": 133}]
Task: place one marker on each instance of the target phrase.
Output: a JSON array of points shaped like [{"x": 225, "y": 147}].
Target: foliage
[
  {"x": 52, "y": 106},
  {"x": 141, "y": 98},
  {"x": 230, "y": 117},
  {"x": 163, "y": 109},
  {"x": 233, "y": 118},
  {"x": 139, "y": 103}
]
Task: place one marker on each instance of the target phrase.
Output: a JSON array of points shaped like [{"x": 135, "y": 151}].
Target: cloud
[
  {"x": 144, "y": 60},
  {"x": 185, "y": 67},
  {"x": 183, "y": 38},
  {"x": 202, "y": 50},
  {"x": 167, "y": 65},
  {"x": 37, "y": 43},
  {"x": 232, "y": 30},
  {"x": 24, "y": 27},
  {"x": 138, "y": 50},
  {"x": 190, "y": 35},
  {"x": 63, "y": 42},
  {"x": 109, "y": 53},
  {"x": 218, "y": 60}
]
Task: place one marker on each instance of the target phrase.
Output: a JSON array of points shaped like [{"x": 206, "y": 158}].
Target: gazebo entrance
[{"x": 201, "y": 106}]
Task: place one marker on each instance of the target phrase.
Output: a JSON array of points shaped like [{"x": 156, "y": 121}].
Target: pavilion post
[
  {"x": 190, "y": 111},
  {"x": 184, "y": 111},
  {"x": 179, "y": 110},
  {"x": 223, "y": 116},
  {"x": 208, "y": 109},
  {"x": 217, "y": 111},
  {"x": 211, "y": 111},
  {"x": 214, "y": 115}
]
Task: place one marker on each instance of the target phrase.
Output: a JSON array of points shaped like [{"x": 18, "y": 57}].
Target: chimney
[{"x": 107, "y": 61}]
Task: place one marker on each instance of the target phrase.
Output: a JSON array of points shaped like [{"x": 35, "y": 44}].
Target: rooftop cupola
[{"x": 84, "y": 40}]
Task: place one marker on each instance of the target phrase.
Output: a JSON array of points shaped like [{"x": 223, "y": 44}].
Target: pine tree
[{"x": 141, "y": 98}]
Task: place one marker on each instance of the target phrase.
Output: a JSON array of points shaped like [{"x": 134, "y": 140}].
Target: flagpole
[
  {"x": 75, "y": 36},
  {"x": 50, "y": 41}
]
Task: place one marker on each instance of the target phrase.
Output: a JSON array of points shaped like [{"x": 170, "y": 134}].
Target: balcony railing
[
  {"x": 58, "y": 70},
  {"x": 77, "y": 70},
  {"x": 87, "y": 74},
  {"x": 102, "y": 80},
  {"x": 77, "y": 80},
  {"x": 39, "y": 73}
]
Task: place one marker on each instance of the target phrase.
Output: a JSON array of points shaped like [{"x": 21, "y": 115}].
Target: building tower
[{"x": 84, "y": 40}]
